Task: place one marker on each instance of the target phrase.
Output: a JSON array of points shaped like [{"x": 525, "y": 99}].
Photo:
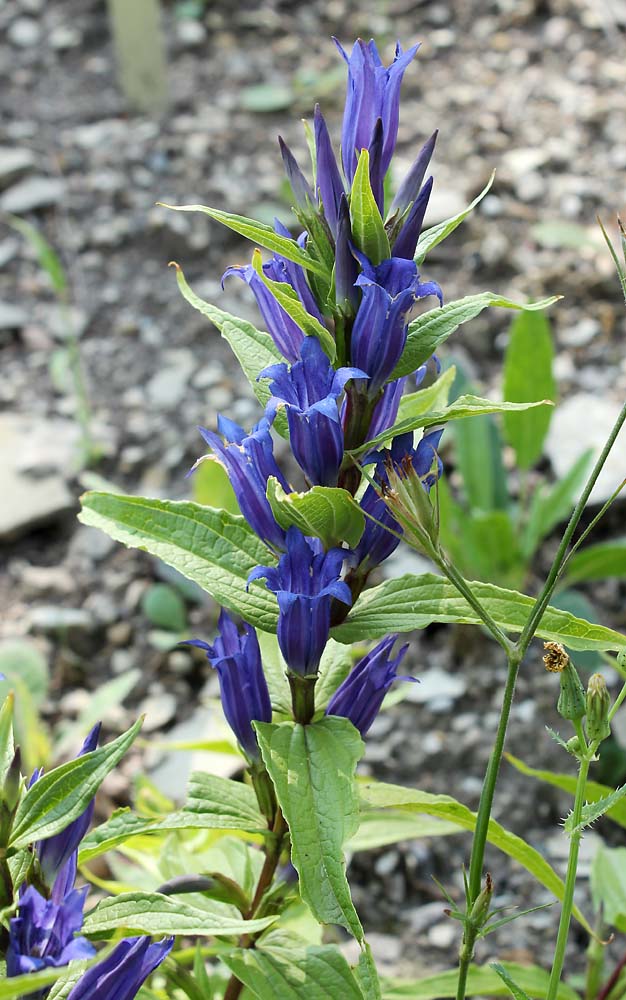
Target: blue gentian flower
[
  {"x": 55, "y": 852},
  {"x": 249, "y": 461},
  {"x": 373, "y": 93},
  {"x": 386, "y": 409},
  {"x": 121, "y": 974},
  {"x": 390, "y": 290},
  {"x": 361, "y": 695},
  {"x": 329, "y": 183},
  {"x": 305, "y": 582},
  {"x": 347, "y": 294},
  {"x": 280, "y": 269},
  {"x": 44, "y": 932},
  {"x": 376, "y": 543},
  {"x": 243, "y": 688},
  {"x": 409, "y": 205},
  {"x": 309, "y": 391},
  {"x": 300, "y": 187},
  {"x": 420, "y": 458}
]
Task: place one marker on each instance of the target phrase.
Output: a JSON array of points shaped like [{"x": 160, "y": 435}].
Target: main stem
[{"x": 570, "y": 880}]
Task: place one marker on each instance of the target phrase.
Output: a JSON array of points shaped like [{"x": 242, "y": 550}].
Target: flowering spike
[
  {"x": 361, "y": 695},
  {"x": 243, "y": 688},
  {"x": 305, "y": 582}
]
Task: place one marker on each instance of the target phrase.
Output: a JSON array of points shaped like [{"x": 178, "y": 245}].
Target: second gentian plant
[{"x": 229, "y": 890}]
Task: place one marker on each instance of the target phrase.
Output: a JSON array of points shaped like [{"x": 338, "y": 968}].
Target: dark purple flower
[
  {"x": 329, "y": 182},
  {"x": 249, "y": 461},
  {"x": 376, "y": 543},
  {"x": 55, "y": 852},
  {"x": 245, "y": 697},
  {"x": 346, "y": 267},
  {"x": 121, "y": 974},
  {"x": 309, "y": 391},
  {"x": 44, "y": 932},
  {"x": 390, "y": 290},
  {"x": 421, "y": 457},
  {"x": 281, "y": 269},
  {"x": 386, "y": 409},
  {"x": 301, "y": 189},
  {"x": 373, "y": 93},
  {"x": 305, "y": 582},
  {"x": 410, "y": 187},
  {"x": 405, "y": 242},
  {"x": 362, "y": 693}
]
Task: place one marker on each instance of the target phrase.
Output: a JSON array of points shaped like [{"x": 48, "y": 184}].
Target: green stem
[
  {"x": 595, "y": 960},
  {"x": 570, "y": 878},
  {"x": 465, "y": 590}
]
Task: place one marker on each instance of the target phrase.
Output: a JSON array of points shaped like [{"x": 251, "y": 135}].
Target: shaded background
[{"x": 533, "y": 89}]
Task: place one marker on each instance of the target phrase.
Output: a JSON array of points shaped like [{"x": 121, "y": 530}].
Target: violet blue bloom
[
  {"x": 249, "y": 461},
  {"x": 390, "y": 290},
  {"x": 305, "y": 582},
  {"x": 121, "y": 974},
  {"x": 55, "y": 852},
  {"x": 329, "y": 182},
  {"x": 412, "y": 183},
  {"x": 362, "y": 693},
  {"x": 376, "y": 543},
  {"x": 44, "y": 932},
  {"x": 309, "y": 391},
  {"x": 405, "y": 242},
  {"x": 373, "y": 93},
  {"x": 422, "y": 457},
  {"x": 243, "y": 688},
  {"x": 280, "y": 269},
  {"x": 386, "y": 409}
]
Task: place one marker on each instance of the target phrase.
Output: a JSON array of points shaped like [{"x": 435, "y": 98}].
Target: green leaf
[
  {"x": 49, "y": 260},
  {"x": 592, "y": 811},
  {"x": 312, "y": 768},
  {"x": 266, "y": 97},
  {"x": 61, "y": 795},
  {"x": 597, "y": 562},
  {"x": 577, "y": 604},
  {"x": 551, "y": 505},
  {"x": 25, "y": 671},
  {"x": 154, "y": 913},
  {"x": 380, "y": 795},
  {"x": 164, "y": 607},
  {"x": 211, "y": 486},
  {"x": 289, "y": 300},
  {"x": 230, "y": 800},
  {"x": 417, "y": 601},
  {"x": 482, "y": 543},
  {"x": 366, "y": 975},
  {"x": 432, "y": 328},
  {"x": 593, "y": 790},
  {"x": 381, "y": 827},
  {"x": 7, "y": 743},
  {"x": 481, "y": 981},
  {"x": 275, "y": 670},
  {"x": 437, "y": 234},
  {"x": 336, "y": 663},
  {"x": 257, "y": 232},
  {"x": 528, "y": 376},
  {"x": 215, "y": 549},
  {"x": 608, "y": 884},
  {"x": 514, "y": 989},
  {"x": 368, "y": 229},
  {"x": 464, "y": 406},
  {"x": 325, "y": 512},
  {"x": 254, "y": 349},
  {"x": 284, "y": 967}
]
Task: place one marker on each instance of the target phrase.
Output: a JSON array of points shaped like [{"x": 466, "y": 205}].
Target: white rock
[
  {"x": 437, "y": 689},
  {"x": 32, "y": 193},
  {"x": 24, "y": 33},
  {"x": 13, "y": 163},
  {"x": 581, "y": 422},
  {"x": 12, "y": 317}
]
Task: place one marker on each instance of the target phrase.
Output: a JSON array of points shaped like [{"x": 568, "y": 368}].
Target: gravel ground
[{"x": 533, "y": 89}]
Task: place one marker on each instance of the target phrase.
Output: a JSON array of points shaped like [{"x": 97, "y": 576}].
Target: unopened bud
[
  {"x": 13, "y": 782},
  {"x": 482, "y": 903},
  {"x": 621, "y": 659},
  {"x": 598, "y": 705}
]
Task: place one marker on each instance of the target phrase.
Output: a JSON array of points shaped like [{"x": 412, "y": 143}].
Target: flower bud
[
  {"x": 13, "y": 782},
  {"x": 571, "y": 703},
  {"x": 598, "y": 704},
  {"x": 480, "y": 909}
]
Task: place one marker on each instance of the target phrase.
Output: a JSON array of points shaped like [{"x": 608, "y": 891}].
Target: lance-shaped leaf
[
  {"x": 368, "y": 229},
  {"x": 366, "y": 975},
  {"x": 481, "y": 981},
  {"x": 312, "y": 768},
  {"x": 432, "y": 328},
  {"x": 259, "y": 233},
  {"x": 215, "y": 549},
  {"x": 325, "y": 512},
  {"x": 597, "y": 562},
  {"x": 61, "y": 796},
  {"x": 528, "y": 375},
  {"x": 608, "y": 884},
  {"x": 436, "y": 234},
  {"x": 381, "y": 795},
  {"x": 464, "y": 406},
  {"x": 592, "y": 811},
  {"x": 289, "y": 300},
  {"x": 154, "y": 913},
  {"x": 513, "y": 987},
  {"x": 594, "y": 791},
  {"x": 417, "y": 601},
  {"x": 288, "y": 967}
]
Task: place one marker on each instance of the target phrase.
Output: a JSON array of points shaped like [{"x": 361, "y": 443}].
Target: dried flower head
[{"x": 555, "y": 658}]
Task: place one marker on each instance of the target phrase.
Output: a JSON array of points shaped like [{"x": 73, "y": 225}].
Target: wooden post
[{"x": 140, "y": 52}]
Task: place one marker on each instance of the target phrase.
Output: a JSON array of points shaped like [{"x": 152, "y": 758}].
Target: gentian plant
[{"x": 305, "y": 650}]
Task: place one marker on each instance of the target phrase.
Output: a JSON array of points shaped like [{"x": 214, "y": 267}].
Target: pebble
[
  {"x": 159, "y": 709},
  {"x": 65, "y": 37},
  {"x": 51, "y": 619},
  {"x": 584, "y": 421},
  {"x": 31, "y": 194},
  {"x": 24, "y": 33},
  {"x": 190, "y": 33},
  {"x": 14, "y": 162},
  {"x": 438, "y": 689},
  {"x": 443, "y": 935},
  {"x": 168, "y": 387},
  {"x": 12, "y": 317}
]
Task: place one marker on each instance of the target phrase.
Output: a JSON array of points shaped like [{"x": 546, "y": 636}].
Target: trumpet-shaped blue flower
[
  {"x": 121, "y": 974},
  {"x": 373, "y": 93},
  {"x": 249, "y": 461},
  {"x": 390, "y": 290},
  {"x": 45, "y": 931},
  {"x": 329, "y": 183},
  {"x": 309, "y": 391},
  {"x": 362, "y": 693},
  {"x": 55, "y": 852},
  {"x": 380, "y": 537},
  {"x": 305, "y": 582},
  {"x": 245, "y": 697}
]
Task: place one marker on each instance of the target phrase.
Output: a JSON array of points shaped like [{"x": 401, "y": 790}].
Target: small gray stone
[
  {"x": 14, "y": 162},
  {"x": 31, "y": 194},
  {"x": 24, "y": 33},
  {"x": 437, "y": 689},
  {"x": 12, "y": 317},
  {"x": 190, "y": 33},
  {"x": 443, "y": 935},
  {"x": 65, "y": 37},
  {"x": 168, "y": 387},
  {"x": 581, "y": 422},
  {"x": 159, "y": 709},
  {"x": 52, "y": 619}
]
